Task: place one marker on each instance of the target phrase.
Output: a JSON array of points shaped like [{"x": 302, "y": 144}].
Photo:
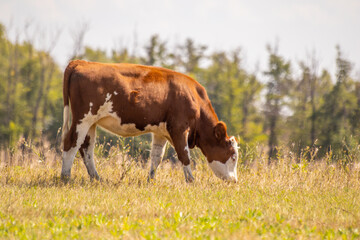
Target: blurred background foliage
[{"x": 266, "y": 108}]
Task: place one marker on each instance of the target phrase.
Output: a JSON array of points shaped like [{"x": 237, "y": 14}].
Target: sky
[{"x": 299, "y": 27}]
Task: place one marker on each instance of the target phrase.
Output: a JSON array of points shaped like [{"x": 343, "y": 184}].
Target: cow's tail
[{"x": 66, "y": 115}]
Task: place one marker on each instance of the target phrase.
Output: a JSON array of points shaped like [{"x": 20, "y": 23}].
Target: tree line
[{"x": 271, "y": 108}]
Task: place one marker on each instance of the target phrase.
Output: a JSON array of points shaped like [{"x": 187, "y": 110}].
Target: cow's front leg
[
  {"x": 182, "y": 149},
  {"x": 157, "y": 153}
]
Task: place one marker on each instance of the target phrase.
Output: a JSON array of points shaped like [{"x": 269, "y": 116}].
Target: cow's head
[{"x": 223, "y": 155}]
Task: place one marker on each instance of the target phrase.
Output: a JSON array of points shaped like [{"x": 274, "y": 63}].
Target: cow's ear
[{"x": 220, "y": 131}]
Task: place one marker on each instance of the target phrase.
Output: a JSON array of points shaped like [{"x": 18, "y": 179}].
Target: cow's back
[{"x": 139, "y": 94}]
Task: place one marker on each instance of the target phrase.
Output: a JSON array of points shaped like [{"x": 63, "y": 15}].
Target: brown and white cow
[{"x": 130, "y": 100}]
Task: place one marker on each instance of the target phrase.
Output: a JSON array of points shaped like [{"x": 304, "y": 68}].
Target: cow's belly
[{"x": 113, "y": 125}]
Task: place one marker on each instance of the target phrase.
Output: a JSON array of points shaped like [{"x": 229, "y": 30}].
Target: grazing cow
[{"x": 130, "y": 100}]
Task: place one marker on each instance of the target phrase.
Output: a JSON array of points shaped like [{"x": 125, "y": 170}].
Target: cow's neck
[{"x": 205, "y": 130}]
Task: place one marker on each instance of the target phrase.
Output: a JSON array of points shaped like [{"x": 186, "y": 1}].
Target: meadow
[{"x": 289, "y": 199}]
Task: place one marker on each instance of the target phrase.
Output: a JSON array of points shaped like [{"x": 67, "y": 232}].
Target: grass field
[{"x": 315, "y": 200}]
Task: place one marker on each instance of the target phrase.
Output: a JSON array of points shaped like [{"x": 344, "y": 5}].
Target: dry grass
[{"x": 314, "y": 200}]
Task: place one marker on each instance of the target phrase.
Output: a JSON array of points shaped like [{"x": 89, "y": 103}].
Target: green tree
[
  {"x": 306, "y": 99},
  {"x": 190, "y": 56},
  {"x": 339, "y": 110},
  {"x": 252, "y": 122},
  {"x": 123, "y": 56},
  {"x": 156, "y": 52},
  {"x": 277, "y": 89},
  {"x": 234, "y": 93},
  {"x": 30, "y": 80},
  {"x": 95, "y": 55}
]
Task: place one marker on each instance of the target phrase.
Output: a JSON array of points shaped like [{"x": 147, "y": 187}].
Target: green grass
[{"x": 283, "y": 201}]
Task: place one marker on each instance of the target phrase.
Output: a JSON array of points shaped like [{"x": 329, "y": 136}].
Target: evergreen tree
[
  {"x": 156, "y": 52},
  {"x": 190, "y": 56},
  {"x": 306, "y": 99},
  {"x": 339, "y": 110},
  {"x": 277, "y": 89}
]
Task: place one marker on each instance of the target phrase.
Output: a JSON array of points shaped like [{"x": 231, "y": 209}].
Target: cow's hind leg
[
  {"x": 87, "y": 152},
  {"x": 72, "y": 142},
  {"x": 157, "y": 153}
]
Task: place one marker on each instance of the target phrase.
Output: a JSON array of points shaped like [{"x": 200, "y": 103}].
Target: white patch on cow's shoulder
[{"x": 115, "y": 93}]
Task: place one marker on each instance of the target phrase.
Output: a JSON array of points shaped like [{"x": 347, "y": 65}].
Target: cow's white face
[{"x": 227, "y": 171}]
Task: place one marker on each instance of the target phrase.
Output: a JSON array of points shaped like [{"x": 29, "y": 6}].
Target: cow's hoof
[
  {"x": 150, "y": 180},
  {"x": 188, "y": 174},
  {"x": 65, "y": 178},
  {"x": 95, "y": 177},
  {"x": 190, "y": 179}
]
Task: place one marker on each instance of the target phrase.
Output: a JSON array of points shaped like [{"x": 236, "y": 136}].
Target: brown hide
[{"x": 145, "y": 95}]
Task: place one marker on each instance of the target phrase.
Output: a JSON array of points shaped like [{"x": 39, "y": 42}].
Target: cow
[{"x": 130, "y": 100}]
